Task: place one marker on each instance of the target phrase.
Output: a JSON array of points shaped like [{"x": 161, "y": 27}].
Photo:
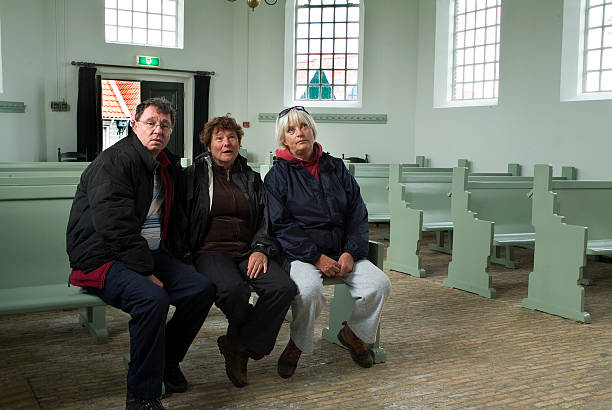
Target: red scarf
[{"x": 311, "y": 166}]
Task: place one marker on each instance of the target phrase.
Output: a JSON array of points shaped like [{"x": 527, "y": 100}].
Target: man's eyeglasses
[
  {"x": 152, "y": 125},
  {"x": 286, "y": 110}
]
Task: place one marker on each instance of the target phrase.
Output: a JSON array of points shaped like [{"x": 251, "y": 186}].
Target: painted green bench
[
  {"x": 486, "y": 217},
  {"x": 34, "y": 265},
  {"x": 42, "y": 166},
  {"x": 419, "y": 201},
  {"x": 373, "y": 181},
  {"x": 572, "y": 219}
]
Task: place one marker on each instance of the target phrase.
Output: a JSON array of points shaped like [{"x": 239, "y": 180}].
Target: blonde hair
[{"x": 293, "y": 117}]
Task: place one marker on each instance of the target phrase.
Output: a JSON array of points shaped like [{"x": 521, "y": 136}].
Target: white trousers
[{"x": 367, "y": 284}]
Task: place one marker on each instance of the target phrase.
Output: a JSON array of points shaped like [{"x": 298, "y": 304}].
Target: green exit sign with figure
[{"x": 148, "y": 61}]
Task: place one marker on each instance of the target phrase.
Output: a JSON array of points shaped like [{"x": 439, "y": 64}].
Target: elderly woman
[
  {"x": 321, "y": 224},
  {"x": 231, "y": 245}
]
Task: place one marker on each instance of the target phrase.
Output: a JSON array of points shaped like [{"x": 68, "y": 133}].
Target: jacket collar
[
  {"x": 164, "y": 158},
  {"x": 205, "y": 158}
]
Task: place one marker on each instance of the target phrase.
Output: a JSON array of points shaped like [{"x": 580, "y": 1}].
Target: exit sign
[{"x": 148, "y": 60}]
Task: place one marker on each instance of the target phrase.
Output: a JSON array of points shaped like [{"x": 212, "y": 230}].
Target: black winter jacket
[
  {"x": 111, "y": 204},
  {"x": 197, "y": 200},
  {"x": 310, "y": 218}
]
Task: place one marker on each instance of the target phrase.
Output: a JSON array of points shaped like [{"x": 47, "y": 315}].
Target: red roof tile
[{"x": 128, "y": 93}]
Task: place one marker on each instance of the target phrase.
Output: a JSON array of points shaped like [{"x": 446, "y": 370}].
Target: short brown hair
[
  {"x": 160, "y": 103},
  {"x": 226, "y": 122}
]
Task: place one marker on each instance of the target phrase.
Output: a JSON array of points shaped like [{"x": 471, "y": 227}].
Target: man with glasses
[{"x": 122, "y": 239}]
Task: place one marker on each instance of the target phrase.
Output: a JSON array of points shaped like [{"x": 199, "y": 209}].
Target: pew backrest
[
  {"x": 585, "y": 203},
  {"x": 34, "y": 234}
]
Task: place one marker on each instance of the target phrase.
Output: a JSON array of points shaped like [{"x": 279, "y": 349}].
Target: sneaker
[
  {"x": 236, "y": 359},
  {"x": 174, "y": 379},
  {"x": 287, "y": 362},
  {"x": 359, "y": 350},
  {"x": 134, "y": 403}
]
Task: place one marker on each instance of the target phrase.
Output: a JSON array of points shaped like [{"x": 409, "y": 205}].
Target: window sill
[
  {"x": 469, "y": 103},
  {"x": 589, "y": 97}
]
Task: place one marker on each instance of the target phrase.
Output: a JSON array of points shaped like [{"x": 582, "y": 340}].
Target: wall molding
[
  {"x": 333, "y": 118},
  {"x": 12, "y": 106}
]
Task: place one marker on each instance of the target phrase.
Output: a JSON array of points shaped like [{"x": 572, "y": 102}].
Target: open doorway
[{"x": 119, "y": 101}]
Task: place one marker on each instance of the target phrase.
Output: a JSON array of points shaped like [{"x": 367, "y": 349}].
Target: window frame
[
  {"x": 179, "y": 27},
  {"x": 290, "y": 66},
  {"x": 444, "y": 61},
  {"x": 573, "y": 55}
]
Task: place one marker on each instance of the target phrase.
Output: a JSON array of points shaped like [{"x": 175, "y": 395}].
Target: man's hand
[
  {"x": 257, "y": 262},
  {"x": 154, "y": 279},
  {"x": 328, "y": 266},
  {"x": 346, "y": 263}
]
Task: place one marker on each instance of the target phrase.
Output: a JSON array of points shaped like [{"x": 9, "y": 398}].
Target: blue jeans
[{"x": 153, "y": 342}]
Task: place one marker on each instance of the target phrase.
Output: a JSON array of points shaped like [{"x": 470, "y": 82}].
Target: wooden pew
[
  {"x": 34, "y": 263},
  {"x": 373, "y": 180},
  {"x": 572, "y": 219},
  {"x": 487, "y": 216},
  {"x": 42, "y": 166},
  {"x": 419, "y": 201}
]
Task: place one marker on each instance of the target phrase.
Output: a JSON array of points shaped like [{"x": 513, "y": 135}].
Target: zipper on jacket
[{"x": 227, "y": 175}]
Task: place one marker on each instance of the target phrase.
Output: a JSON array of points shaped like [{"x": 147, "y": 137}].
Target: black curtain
[
  {"x": 200, "y": 111},
  {"x": 89, "y": 113}
]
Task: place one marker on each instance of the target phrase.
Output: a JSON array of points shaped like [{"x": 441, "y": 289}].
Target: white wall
[
  {"x": 32, "y": 60},
  {"x": 529, "y": 125},
  {"x": 37, "y": 70},
  {"x": 389, "y": 76},
  {"x": 24, "y": 66}
]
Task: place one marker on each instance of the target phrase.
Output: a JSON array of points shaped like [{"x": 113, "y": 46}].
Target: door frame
[{"x": 136, "y": 74}]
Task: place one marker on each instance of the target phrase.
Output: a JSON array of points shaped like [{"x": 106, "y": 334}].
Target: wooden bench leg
[
  {"x": 439, "y": 245},
  {"x": 340, "y": 309},
  {"x": 94, "y": 319},
  {"x": 508, "y": 259}
]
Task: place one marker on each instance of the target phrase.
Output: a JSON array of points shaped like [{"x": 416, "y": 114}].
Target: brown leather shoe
[
  {"x": 359, "y": 350},
  {"x": 287, "y": 362},
  {"x": 236, "y": 358}
]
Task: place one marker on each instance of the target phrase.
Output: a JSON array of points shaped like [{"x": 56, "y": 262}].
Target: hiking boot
[
  {"x": 135, "y": 403},
  {"x": 236, "y": 359},
  {"x": 174, "y": 379},
  {"x": 287, "y": 362},
  {"x": 359, "y": 350}
]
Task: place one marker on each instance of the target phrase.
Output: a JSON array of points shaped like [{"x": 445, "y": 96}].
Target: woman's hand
[
  {"x": 328, "y": 266},
  {"x": 257, "y": 262},
  {"x": 346, "y": 263}
]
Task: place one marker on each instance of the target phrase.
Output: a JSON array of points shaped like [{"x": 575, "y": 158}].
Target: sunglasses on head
[{"x": 286, "y": 110}]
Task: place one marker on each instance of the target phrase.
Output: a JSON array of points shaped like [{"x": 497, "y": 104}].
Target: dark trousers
[
  {"x": 153, "y": 342},
  {"x": 255, "y": 327}
]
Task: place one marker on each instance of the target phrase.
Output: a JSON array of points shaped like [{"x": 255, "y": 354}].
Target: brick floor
[{"x": 445, "y": 348}]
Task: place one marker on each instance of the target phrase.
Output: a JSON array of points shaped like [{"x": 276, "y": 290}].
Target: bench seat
[
  {"x": 50, "y": 297},
  {"x": 437, "y": 226},
  {"x": 502, "y": 239},
  {"x": 599, "y": 247},
  {"x": 378, "y": 217}
]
